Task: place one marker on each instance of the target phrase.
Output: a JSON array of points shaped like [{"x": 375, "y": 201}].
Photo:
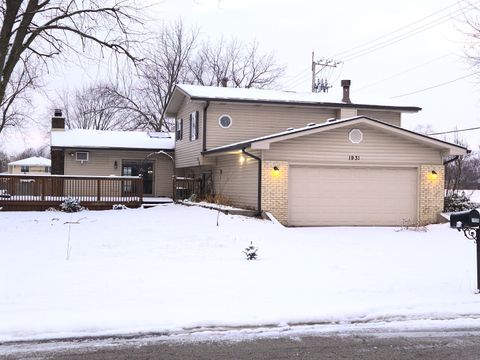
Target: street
[{"x": 437, "y": 344}]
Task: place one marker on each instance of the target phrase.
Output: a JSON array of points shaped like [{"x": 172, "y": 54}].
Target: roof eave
[{"x": 409, "y": 109}]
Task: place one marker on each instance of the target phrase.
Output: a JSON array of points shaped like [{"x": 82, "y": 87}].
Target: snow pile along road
[{"x": 171, "y": 269}]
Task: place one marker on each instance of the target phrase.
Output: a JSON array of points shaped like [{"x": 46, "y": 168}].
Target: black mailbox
[{"x": 464, "y": 219}]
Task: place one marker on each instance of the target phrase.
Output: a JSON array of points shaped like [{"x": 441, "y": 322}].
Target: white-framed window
[
  {"x": 194, "y": 126},
  {"x": 25, "y": 169},
  {"x": 179, "y": 129},
  {"x": 81, "y": 156},
  {"x": 225, "y": 121}
]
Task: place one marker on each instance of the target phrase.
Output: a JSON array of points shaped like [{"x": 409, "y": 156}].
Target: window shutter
[
  {"x": 191, "y": 126},
  {"x": 181, "y": 129},
  {"x": 196, "y": 124}
]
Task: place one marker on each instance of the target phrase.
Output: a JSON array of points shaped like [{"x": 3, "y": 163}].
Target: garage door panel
[{"x": 352, "y": 196}]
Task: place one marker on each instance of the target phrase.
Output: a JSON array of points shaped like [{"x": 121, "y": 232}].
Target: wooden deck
[{"x": 40, "y": 192}]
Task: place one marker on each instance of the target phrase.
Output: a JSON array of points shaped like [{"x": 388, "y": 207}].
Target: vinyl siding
[
  {"x": 187, "y": 153},
  {"x": 391, "y": 117},
  {"x": 100, "y": 163},
  {"x": 333, "y": 147},
  {"x": 250, "y": 121},
  {"x": 237, "y": 181}
]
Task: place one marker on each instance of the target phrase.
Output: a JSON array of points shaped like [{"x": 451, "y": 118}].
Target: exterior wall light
[
  {"x": 115, "y": 165},
  {"x": 433, "y": 175},
  {"x": 276, "y": 170}
]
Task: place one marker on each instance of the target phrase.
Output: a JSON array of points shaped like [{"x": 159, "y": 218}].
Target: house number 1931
[{"x": 353, "y": 157}]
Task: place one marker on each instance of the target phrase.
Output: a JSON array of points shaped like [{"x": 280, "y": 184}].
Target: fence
[
  {"x": 39, "y": 192},
  {"x": 183, "y": 187}
]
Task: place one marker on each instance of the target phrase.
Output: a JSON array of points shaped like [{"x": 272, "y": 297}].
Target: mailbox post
[{"x": 469, "y": 223}]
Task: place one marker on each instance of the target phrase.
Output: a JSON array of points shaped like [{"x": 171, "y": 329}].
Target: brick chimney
[
  {"x": 346, "y": 91},
  {"x": 58, "y": 121},
  {"x": 224, "y": 82}
]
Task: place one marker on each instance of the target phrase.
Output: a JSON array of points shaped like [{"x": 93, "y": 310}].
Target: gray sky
[{"x": 388, "y": 49}]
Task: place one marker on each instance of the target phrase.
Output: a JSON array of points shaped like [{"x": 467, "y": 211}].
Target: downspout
[
  {"x": 259, "y": 198},
  {"x": 451, "y": 160},
  {"x": 204, "y": 133}
]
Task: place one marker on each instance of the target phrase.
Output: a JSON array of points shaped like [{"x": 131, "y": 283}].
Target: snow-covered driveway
[{"x": 170, "y": 268}]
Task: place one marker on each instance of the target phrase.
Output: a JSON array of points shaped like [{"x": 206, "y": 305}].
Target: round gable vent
[
  {"x": 355, "y": 136},
  {"x": 225, "y": 121}
]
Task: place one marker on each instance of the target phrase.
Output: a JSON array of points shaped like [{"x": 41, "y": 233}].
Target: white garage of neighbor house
[
  {"x": 354, "y": 171},
  {"x": 32, "y": 165}
]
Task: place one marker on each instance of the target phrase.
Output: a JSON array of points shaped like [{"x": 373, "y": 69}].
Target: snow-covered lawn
[{"x": 170, "y": 268}]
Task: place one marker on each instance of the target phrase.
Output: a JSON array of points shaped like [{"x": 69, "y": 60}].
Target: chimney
[
  {"x": 224, "y": 82},
  {"x": 346, "y": 91},
  {"x": 58, "y": 121}
]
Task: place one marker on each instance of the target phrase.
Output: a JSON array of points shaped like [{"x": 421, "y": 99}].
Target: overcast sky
[{"x": 389, "y": 49}]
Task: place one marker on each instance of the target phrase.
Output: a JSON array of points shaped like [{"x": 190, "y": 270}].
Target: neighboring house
[
  {"x": 121, "y": 153},
  {"x": 306, "y": 161},
  {"x": 35, "y": 165}
]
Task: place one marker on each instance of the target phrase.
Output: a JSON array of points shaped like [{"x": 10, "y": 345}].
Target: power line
[
  {"x": 403, "y": 72},
  {"x": 454, "y": 131},
  {"x": 434, "y": 86},
  {"x": 394, "y": 31},
  {"x": 406, "y": 35}
]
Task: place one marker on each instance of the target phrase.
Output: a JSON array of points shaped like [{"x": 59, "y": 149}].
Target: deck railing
[{"x": 42, "y": 191}]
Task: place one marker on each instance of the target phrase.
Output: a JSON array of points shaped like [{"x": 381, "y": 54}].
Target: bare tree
[
  {"x": 91, "y": 108},
  {"x": 241, "y": 63},
  {"x": 31, "y": 152},
  {"x": 4, "y": 160},
  {"x": 454, "y": 170},
  {"x": 143, "y": 99},
  {"x": 35, "y": 32}
]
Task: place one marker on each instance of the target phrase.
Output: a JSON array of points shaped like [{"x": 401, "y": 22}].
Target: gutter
[
  {"x": 259, "y": 194},
  {"x": 204, "y": 135}
]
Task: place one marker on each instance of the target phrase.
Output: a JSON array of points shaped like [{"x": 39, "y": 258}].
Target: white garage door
[{"x": 351, "y": 196}]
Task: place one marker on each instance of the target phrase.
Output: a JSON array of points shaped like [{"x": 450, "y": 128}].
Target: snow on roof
[
  {"x": 32, "y": 161},
  {"x": 251, "y": 94},
  {"x": 80, "y": 138}
]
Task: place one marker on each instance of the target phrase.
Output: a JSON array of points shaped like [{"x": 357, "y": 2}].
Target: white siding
[
  {"x": 333, "y": 147},
  {"x": 187, "y": 153},
  {"x": 250, "y": 121},
  {"x": 237, "y": 180},
  {"x": 390, "y": 117}
]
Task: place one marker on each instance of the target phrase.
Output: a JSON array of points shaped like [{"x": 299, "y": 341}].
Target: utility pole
[{"x": 322, "y": 85}]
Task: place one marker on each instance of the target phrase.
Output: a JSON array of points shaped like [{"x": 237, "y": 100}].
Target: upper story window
[
  {"x": 225, "y": 121},
  {"x": 194, "y": 126},
  {"x": 179, "y": 129},
  {"x": 24, "y": 168}
]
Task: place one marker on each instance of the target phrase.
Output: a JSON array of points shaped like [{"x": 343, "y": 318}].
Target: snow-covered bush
[
  {"x": 251, "y": 252},
  {"x": 193, "y": 198},
  {"x": 458, "y": 202},
  {"x": 119, "y": 207},
  {"x": 71, "y": 205}
]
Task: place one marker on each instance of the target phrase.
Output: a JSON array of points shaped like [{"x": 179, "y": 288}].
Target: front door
[{"x": 140, "y": 168}]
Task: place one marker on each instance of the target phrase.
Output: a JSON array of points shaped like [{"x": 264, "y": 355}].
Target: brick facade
[
  {"x": 431, "y": 193},
  {"x": 275, "y": 189}
]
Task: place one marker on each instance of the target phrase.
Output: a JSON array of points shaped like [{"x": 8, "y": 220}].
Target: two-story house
[{"x": 306, "y": 161}]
